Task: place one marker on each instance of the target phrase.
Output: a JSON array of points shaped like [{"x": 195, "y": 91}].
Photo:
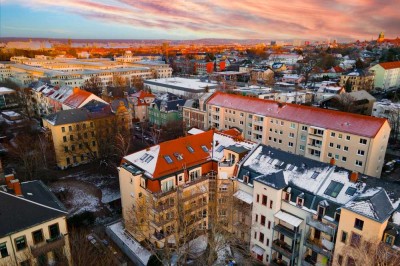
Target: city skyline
[{"x": 184, "y": 19}]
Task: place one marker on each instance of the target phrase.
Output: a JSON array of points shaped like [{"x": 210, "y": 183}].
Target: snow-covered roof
[
  {"x": 4, "y": 90},
  {"x": 222, "y": 141},
  {"x": 288, "y": 218},
  {"x": 195, "y": 131}
]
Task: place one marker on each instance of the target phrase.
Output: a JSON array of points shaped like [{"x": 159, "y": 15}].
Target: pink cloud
[{"x": 301, "y": 19}]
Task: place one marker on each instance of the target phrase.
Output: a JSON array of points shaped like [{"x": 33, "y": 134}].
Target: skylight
[
  {"x": 205, "y": 149},
  {"x": 334, "y": 189},
  {"x": 350, "y": 191},
  {"x": 291, "y": 167},
  {"x": 314, "y": 175},
  {"x": 144, "y": 156},
  {"x": 270, "y": 161},
  {"x": 220, "y": 148},
  {"x": 178, "y": 156},
  {"x": 190, "y": 149},
  {"x": 168, "y": 159}
]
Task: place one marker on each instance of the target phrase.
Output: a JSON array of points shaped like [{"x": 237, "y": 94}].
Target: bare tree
[
  {"x": 93, "y": 85},
  {"x": 370, "y": 253},
  {"x": 306, "y": 68},
  {"x": 394, "y": 121}
]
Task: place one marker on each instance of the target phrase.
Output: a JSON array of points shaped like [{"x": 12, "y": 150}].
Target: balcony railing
[
  {"x": 48, "y": 245},
  {"x": 162, "y": 194},
  {"x": 286, "y": 231},
  {"x": 163, "y": 207},
  {"x": 317, "y": 246},
  {"x": 159, "y": 223},
  {"x": 226, "y": 164},
  {"x": 283, "y": 248},
  {"x": 311, "y": 221}
]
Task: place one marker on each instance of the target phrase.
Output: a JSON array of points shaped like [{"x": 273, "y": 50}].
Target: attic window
[
  {"x": 350, "y": 191},
  {"x": 190, "y": 149},
  {"x": 205, "y": 149},
  {"x": 314, "y": 175},
  {"x": 291, "y": 167},
  {"x": 334, "y": 189},
  {"x": 178, "y": 156},
  {"x": 149, "y": 158},
  {"x": 220, "y": 148},
  {"x": 168, "y": 159},
  {"x": 144, "y": 156}
]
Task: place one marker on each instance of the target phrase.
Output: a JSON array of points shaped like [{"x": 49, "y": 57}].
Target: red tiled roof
[
  {"x": 142, "y": 94},
  {"x": 77, "y": 98},
  {"x": 360, "y": 125},
  {"x": 390, "y": 65}
]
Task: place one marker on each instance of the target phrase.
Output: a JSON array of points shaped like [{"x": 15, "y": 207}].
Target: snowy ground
[{"x": 85, "y": 191}]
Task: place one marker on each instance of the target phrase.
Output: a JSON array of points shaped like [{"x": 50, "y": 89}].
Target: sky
[{"x": 195, "y": 19}]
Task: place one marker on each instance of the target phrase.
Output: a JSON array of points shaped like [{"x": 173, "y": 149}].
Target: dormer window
[
  {"x": 286, "y": 195},
  {"x": 190, "y": 149},
  {"x": 389, "y": 239},
  {"x": 246, "y": 179},
  {"x": 321, "y": 211},
  {"x": 300, "y": 202}
]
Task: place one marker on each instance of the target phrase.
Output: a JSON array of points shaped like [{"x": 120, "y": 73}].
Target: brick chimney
[
  {"x": 17, "y": 187},
  {"x": 332, "y": 162},
  {"x": 354, "y": 177},
  {"x": 8, "y": 180}
]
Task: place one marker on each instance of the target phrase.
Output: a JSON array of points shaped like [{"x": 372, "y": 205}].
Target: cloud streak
[{"x": 300, "y": 19}]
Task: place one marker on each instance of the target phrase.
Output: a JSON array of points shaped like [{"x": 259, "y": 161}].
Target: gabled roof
[
  {"x": 173, "y": 156},
  {"x": 76, "y": 115},
  {"x": 390, "y": 65},
  {"x": 360, "y": 125},
  {"x": 19, "y": 213},
  {"x": 374, "y": 204},
  {"x": 275, "y": 180},
  {"x": 77, "y": 98},
  {"x": 142, "y": 94}
]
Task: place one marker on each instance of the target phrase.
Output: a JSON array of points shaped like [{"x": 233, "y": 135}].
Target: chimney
[
  {"x": 354, "y": 177},
  {"x": 75, "y": 90},
  {"x": 332, "y": 162},
  {"x": 17, "y": 187},
  {"x": 8, "y": 180}
]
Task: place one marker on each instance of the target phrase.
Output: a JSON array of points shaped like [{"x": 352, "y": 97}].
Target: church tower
[{"x": 381, "y": 37}]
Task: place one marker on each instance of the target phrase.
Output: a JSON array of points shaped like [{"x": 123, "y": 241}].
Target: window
[
  {"x": 37, "y": 236},
  {"x": 68, "y": 160},
  {"x": 389, "y": 239},
  {"x": 361, "y": 152},
  {"x": 267, "y": 244},
  {"x": 290, "y": 144},
  {"x": 264, "y": 200},
  {"x": 303, "y": 138},
  {"x": 331, "y": 144},
  {"x": 262, "y": 221},
  {"x": 350, "y": 191},
  {"x": 343, "y": 239},
  {"x": 66, "y": 148},
  {"x": 355, "y": 239},
  {"x": 69, "y": 128},
  {"x": 269, "y": 224},
  {"x": 71, "y": 137},
  {"x": 255, "y": 235},
  {"x": 359, "y": 224},
  {"x": 65, "y": 139},
  {"x": 302, "y": 147},
  {"x": 63, "y": 129},
  {"x": 261, "y": 238},
  {"x": 291, "y": 135},
  {"x": 359, "y": 163},
  {"x": 333, "y": 189},
  {"x": 3, "y": 250},
  {"x": 93, "y": 143},
  {"x": 340, "y": 260},
  {"x": 256, "y": 218},
  {"x": 54, "y": 231},
  {"x": 190, "y": 149},
  {"x": 340, "y": 136},
  {"x": 346, "y": 148},
  {"x": 344, "y": 158},
  {"x": 258, "y": 198},
  {"x": 315, "y": 174},
  {"x": 333, "y": 134},
  {"x": 304, "y": 128},
  {"x": 363, "y": 141},
  {"x": 300, "y": 201},
  {"x": 205, "y": 149},
  {"x": 338, "y": 146},
  {"x": 271, "y": 204},
  {"x": 20, "y": 243},
  {"x": 292, "y": 125},
  {"x": 168, "y": 159},
  {"x": 347, "y": 137}
]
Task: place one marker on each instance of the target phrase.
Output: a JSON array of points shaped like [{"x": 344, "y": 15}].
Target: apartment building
[
  {"x": 165, "y": 110},
  {"x": 177, "y": 183},
  {"x": 387, "y": 75},
  {"x": 81, "y": 135},
  {"x": 356, "y": 142},
  {"x": 160, "y": 68},
  {"x": 299, "y": 208},
  {"x": 141, "y": 101},
  {"x": 33, "y": 228},
  {"x": 357, "y": 80},
  {"x": 195, "y": 114}
]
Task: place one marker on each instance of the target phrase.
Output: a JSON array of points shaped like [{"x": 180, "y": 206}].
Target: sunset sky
[{"x": 191, "y": 19}]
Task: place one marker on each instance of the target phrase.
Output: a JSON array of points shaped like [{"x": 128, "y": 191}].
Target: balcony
[
  {"x": 226, "y": 164},
  {"x": 308, "y": 261},
  {"x": 286, "y": 231},
  {"x": 162, "y": 194},
  {"x": 316, "y": 245},
  {"x": 163, "y": 207},
  {"x": 313, "y": 222},
  {"x": 283, "y": 248},
  {"x": 48, "y": 245},
  {"x": 278, "y": 262}
]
